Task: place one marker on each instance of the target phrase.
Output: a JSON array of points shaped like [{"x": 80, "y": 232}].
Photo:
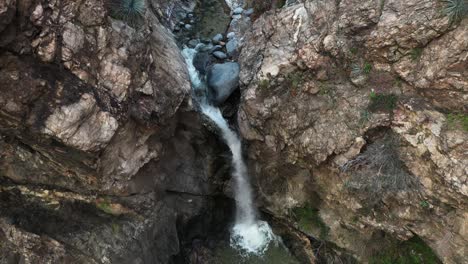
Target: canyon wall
[
  {"x": 102, "y": 156},
  {"x": 356, "y": 110}
]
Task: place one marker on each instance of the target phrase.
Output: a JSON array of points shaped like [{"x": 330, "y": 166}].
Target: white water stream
[{"x": 248, "y": 234}]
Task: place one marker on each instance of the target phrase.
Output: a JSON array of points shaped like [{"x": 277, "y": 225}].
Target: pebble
[
  {"x": 231, "y": 35},
  {"x": 216, "y": 48},
  {"x": 237, "y": 11},
  {"x": 193, "y": 43},
  {"x": 188, "y": 26},
  {"x": 249, "y": 12},
  {"x": 220, "y": 55},
  {"x": 217, "y": 38},
  {"x": 206, "y": 40}
]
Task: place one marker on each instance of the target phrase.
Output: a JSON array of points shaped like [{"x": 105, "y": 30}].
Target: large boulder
[{"x": 223, "y": 79}]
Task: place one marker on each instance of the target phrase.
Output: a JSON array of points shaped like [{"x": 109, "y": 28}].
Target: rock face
[
  {"x": 102, "y": 158},
  {"x": 222, "y": 80},
  {"x": 324, "y": 83}
]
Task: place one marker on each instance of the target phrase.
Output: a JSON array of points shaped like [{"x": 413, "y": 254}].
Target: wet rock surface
[
  {"x": 102, "y": 156},
  {"x": 222, "y": 80}
]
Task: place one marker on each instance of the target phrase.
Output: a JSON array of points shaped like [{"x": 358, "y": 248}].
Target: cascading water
[{"x": 249, "y": 234}]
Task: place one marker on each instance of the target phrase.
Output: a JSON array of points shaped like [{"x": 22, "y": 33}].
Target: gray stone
[
  {"x": 237, "y": 11},
  {"x": 217, "y": 38},
  {"x": 220, "y": 55},
  {"x": 223, "y": 80},
  {"x": 216, "y": 48},
  {"x": 188, "y": 26},
  {"x": 231, "y": 47},
  {"x": 249, "y": 12},
  {"x": 231, "y": 35},
  {"x": 205, "y": 47},
  {"x": 201, "y": 61},
  {"x": 193, "y": 43}
]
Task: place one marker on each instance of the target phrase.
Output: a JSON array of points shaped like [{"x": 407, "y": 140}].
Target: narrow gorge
[{"x": 233, "y": 131}]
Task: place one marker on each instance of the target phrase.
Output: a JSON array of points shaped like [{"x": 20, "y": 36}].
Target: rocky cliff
[
  {"x": 354, "y": 115},
  {"x": 356, "y": 111},
  {"x": 102, "y": 157}
]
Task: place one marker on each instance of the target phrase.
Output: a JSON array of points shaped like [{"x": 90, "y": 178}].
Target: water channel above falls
[{"x": 251, "y": 239}]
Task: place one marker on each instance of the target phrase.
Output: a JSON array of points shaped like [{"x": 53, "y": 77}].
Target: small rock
[
  {"x": 206, "y": 40},
  {"x": 231, "y": 35},
  {"x": 176, "y": 28},
  {"x": 231, "y": 47},
  {"x": 222, "y": 43},
  {"x": 236, "y": 17},
  {"x": 217, "y": 38},
  {"x": 181, "y": 23},
  {"x": 192, "y": 21},
  {"x": 204, "y": 48},
  {"x": 249, "y": 12},
  {"x": 216, "y": 48},
  {"x": 190, "y": 15},
  {"x": 193, "y": 43},
  {"x": 188, "y": 26},
  {"x": 237, "y": 11},
  {"x": 220, "y": 55}
]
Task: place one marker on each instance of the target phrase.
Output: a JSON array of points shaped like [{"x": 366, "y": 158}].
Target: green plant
[
  {"x": 457, "y": 119},
  {"x": 367, "y": 68},
  {"x": 424, "y": 204},
  {"x": 104, "y": 205},
  {"x": 295, "y": 79},
  {"x": 455, "y": 9},
  {"x": 412, "y": 251},
  {"x": 416, "y": 53},
  {"x": 353, "y": 50},
  {"x": 356, "y": 69},
  {"x": 264, "y": 84},
  {"x": 309, "y": 220},
  {"x": 365, "y": 117},
  {"x": 381, "y": 102},
  {"x": 130, "y": 11},
  {"x": 115, "y": 227}
]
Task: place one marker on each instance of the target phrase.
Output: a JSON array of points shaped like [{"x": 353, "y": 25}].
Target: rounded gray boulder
[{"x": 223, "y": 80}]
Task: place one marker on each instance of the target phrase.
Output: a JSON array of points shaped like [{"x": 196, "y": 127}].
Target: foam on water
[{"x": 249, "y": 235}]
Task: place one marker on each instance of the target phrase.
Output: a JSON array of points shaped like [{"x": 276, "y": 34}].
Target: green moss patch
[
  {"x": 382, "y": 102},
  {"x": 309, "y": 220},
  {"x": 412, "y": 251},
  {"x": 459, "y": 120}
]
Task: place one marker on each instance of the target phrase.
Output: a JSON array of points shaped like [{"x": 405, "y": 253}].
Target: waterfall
[{"x": 248, "y": 234}]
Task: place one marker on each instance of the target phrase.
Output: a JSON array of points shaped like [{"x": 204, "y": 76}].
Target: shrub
[
  {"x": 455, "y": 9},
  {"x": 308, "y": 219},
  {"x": 378, "y": 170},
  {"x": 416, "y": 53},
  {"x": 367, "y": 68},
  {"x": 130, "y": 11},
  {"x": 382, "y": 102}
]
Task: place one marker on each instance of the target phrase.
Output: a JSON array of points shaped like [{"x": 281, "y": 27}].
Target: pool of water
[{"x": 275, "y": 254}]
